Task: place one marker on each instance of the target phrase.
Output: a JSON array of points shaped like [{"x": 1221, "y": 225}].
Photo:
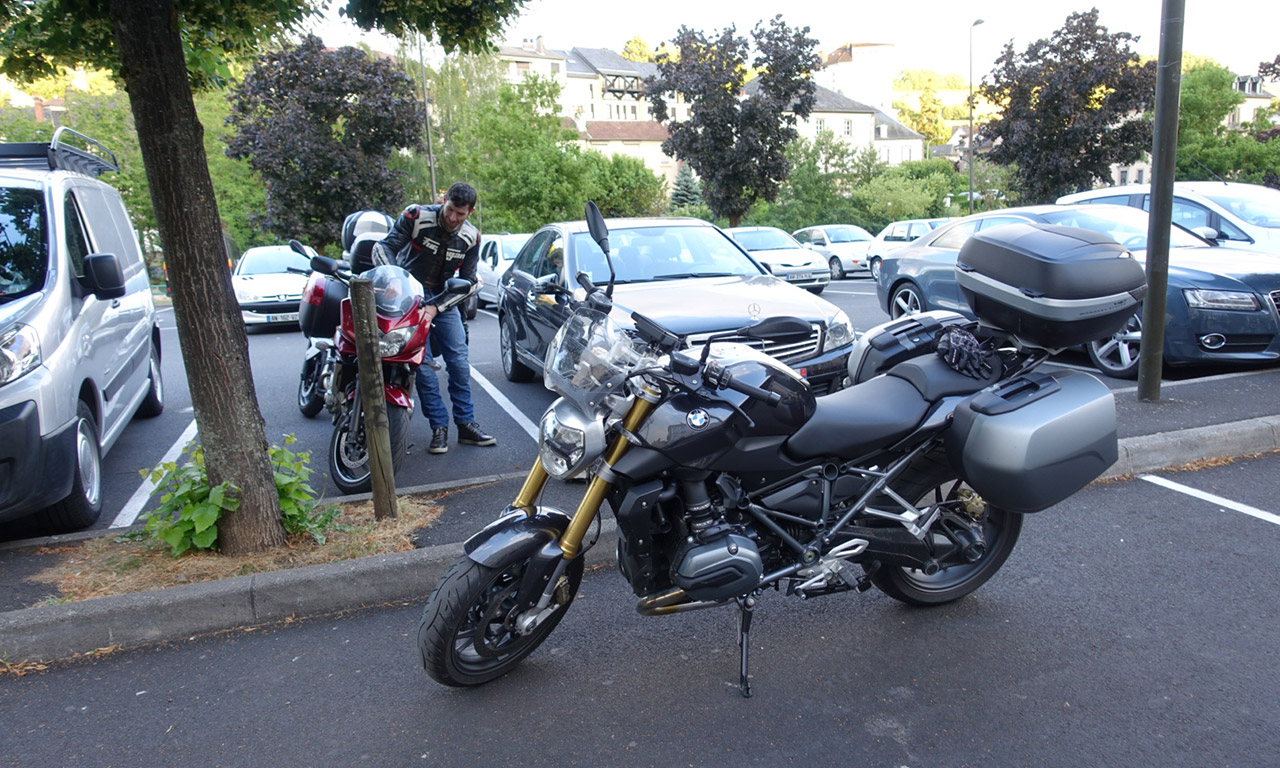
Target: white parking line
[
  {"x": 133, "y": 507},
  {"x": 507, "y": 405},
  {"x": 1212, "y": 499}
]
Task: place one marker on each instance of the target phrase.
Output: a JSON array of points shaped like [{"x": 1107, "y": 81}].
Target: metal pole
[
  {"x": 426, "y": 106},
  {"x": 1159, "y": 223},
  {"x": 975, "y": 23},
  {"x": 377, "y": 433}
]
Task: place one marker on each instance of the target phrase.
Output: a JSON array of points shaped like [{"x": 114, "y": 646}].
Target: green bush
[{"x": 189, "y": 511}]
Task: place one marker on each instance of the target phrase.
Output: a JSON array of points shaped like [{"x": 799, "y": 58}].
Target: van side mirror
[{"x": 103, "y": 276}]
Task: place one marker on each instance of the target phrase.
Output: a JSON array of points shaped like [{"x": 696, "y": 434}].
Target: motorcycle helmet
[
  {"x": 361, "y": 255},
  {"x": 364, "y": 222}
]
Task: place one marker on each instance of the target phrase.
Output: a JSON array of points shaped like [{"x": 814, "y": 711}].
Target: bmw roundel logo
[{"x": 697, "y": 418}]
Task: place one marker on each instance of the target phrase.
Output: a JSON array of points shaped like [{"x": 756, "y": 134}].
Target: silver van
[{"x": 79, "y": 343}]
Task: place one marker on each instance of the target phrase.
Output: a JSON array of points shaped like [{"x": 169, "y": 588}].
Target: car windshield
[
  {"x": 23, "y": 244},
  {"x": 641, "y": 254},
  {"x": 266, "y": 261},
  {"x": 1127, "y": 226},
  {"x": 511, "y": 245},
  {"x": 764, "y": 239},
  {"x": 848, "y": 234},
  {"x": 1257, "y": 205}
]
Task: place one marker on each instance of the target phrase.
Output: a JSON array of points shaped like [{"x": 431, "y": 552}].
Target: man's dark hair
[{"x": 462, "y": 195}]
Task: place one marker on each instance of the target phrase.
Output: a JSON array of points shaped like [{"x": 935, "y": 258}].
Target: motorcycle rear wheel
[
  {"x": 310, "y": 395},
  {"x": 466, "y": 635},
  {"x": 349, "y": 461},
  {"x": 928, "y": 480}
]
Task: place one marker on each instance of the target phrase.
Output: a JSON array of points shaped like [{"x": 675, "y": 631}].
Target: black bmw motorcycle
[{"x": 728, "y": 477}]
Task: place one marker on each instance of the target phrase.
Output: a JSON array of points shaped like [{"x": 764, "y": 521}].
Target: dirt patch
[{"x": 118, "y": 565}]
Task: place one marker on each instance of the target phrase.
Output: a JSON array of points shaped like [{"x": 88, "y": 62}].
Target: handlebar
[{"x": 770, "y": 399}]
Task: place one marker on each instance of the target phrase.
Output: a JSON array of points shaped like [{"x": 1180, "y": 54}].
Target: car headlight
[
  {"x": 1239, "y": 301},
  {"x": 568, "y": 440},
  {"x": 839, "y": 332},
  {"x": 392, "y": 342},
  {"x": 246, "y": 294},
  {"x": 19, "y": 353}
]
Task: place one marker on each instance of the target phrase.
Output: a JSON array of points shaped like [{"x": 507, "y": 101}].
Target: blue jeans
[{"x": 451, "y": 339}]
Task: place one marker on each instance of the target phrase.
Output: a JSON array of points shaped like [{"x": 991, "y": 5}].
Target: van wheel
[
  {"x": 80, "y": 509},
  {"x": 153, "y": 403}
]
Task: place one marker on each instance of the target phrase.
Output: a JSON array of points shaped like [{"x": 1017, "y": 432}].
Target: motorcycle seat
[
  {"x": 934, "y": 379},
  {"x": 855, "y": 421}
]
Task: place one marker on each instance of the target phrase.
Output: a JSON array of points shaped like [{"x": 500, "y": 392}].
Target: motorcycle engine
[{"x": 722, "y": 568}]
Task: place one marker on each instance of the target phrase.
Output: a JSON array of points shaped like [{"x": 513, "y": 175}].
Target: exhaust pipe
[{"x": 672, "y": 601}]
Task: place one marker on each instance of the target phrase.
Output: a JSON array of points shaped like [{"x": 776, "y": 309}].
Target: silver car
[
  {"x": 496, "y": 254},
  {"x": 843, "y": 245},
  {"x": 784, "y": 257}
]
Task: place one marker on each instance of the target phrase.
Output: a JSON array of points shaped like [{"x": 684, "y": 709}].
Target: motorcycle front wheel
[
  {"x": 310, "y": 394},
  {"x": 931, "y": 480},
  {"x": 349, "y": 458},
  {"x": 467, "y": 635}
]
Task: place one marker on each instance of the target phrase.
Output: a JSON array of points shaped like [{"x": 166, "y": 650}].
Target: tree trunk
[{"x": 215, "y": 348}]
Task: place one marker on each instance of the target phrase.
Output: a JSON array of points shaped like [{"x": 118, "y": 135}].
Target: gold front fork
[{"x": 589, "y": 506}]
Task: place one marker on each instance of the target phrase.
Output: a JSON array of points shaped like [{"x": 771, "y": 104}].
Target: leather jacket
[{"x": 421, "y": 245}]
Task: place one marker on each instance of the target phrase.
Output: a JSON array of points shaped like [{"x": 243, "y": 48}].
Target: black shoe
[
  {"x": 439, "y": 440},
  {"x": 471, "y": 434}
]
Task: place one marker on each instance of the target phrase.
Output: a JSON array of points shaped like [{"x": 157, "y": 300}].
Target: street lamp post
[{"x": 970, "y": 140}]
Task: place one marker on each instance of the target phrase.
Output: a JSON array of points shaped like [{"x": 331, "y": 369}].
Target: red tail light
[{"x": 313, "y": 293}]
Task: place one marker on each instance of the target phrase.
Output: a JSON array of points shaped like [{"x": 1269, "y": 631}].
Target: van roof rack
[{"x": 57, "y": 155}]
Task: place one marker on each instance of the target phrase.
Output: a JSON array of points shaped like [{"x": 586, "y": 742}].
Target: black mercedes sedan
[{"x": 685, "y": 273}]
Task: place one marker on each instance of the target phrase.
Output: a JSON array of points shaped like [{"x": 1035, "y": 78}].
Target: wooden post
[{"x": 377, "y": 434}]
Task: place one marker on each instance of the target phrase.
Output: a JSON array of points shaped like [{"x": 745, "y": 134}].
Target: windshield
[
  {"x": 395, "y": 292},
  {"x": 642, "y": 254},
  {"x": 764, "y": 239},
  {"x": 273, "y": 260},
  {"x": 510, "y": 245},
  {"x": 849, "y": 234},
  {"x": 1127, "y": 226},
  {"x": 589, "y": 359},
  {"x": 1259, "y": 206},
  {"x": 23, "y": 245}
]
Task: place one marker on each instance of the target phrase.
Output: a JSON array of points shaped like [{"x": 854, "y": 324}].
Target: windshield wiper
[{"x": 687, "y": 275}]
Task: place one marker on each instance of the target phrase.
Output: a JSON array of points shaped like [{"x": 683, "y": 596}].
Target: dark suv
[{"x": 685, "y": 273}]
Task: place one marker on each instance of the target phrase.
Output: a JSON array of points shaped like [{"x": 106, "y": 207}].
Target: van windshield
[{"x": 24, "y": 246}]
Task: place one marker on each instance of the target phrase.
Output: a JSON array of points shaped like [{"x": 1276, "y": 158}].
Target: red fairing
[
  {"x": 398, "y": 395},
  {"x": 413, "y": 351}
]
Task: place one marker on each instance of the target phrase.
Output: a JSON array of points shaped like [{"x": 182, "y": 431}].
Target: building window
[
  {"x": 820, "y": 124},
  {"x": 1139, "y": 175},
  {"x": 555, "y": 68},
  {"x": 1124, "y": 175},
  {"x": 522, "y": 66},
  {"x": 848, "y": 127}
]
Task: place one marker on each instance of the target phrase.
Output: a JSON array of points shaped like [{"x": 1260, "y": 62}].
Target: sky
[{"x": 925, "y": 34}]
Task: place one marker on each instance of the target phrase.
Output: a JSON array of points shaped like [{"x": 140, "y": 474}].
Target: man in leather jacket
[{"x": 433, "y": 242}]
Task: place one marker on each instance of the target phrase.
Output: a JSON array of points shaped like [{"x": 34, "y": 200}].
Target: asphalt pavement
[{"x": 1229, "y": 415}]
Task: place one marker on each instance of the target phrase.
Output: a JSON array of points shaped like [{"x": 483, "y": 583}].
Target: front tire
[
  {"x": 931, "y": 480},
  {"x": 349, "y": 460},
  {"x": 466, "y": 635},
  {"x": 837, "y": 269},
  {"x": 83, "y": 506},
  {"x": 1117, "y": 355},
  {"x": 512, "y": 368}
]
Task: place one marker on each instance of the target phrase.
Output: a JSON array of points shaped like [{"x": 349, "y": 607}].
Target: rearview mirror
[
  {"x": 457, "y": 285},
  {"x": 103, "y": 276},
  {"x": 595, "y": 223},
  {"x": 321, "y": 264},
  {"x": 778, "y": 329}
]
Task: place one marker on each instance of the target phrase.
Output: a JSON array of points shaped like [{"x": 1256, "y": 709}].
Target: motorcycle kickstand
[{"x": 746, "y": 608}]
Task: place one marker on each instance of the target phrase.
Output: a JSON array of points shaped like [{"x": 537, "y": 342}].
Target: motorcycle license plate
[
  {"x": 799, "y": 276},
  {"x": 286, "y": 317}
]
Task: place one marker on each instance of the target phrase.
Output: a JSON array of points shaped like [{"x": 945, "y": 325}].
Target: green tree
[
  {"x": 736, "y": 145},
  {"x": 241, "y": 196},
  {"x": 817, "y": 190},
  {"x": 888, "y": 198},
  {"x": 937, "y": 177},
  {"x": 159, "y": 48},
  {"x": 927, "y": 121},
  {"x": 321, "y": 144},
  {"x": 636, "y": 49},
  {"x": 867, "y": 165},
  {"x": 1069, "y": 107},
  {"x": 1207, "y": 149},
  {"x": 687, "y": 190},
  {"x": 624, "y": 186}
]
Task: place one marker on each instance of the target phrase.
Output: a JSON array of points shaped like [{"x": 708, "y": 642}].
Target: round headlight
[{"x": 568, "y": 441}]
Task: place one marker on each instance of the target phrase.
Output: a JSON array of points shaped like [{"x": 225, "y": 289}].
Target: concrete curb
[{"x": 59, "y": 631}]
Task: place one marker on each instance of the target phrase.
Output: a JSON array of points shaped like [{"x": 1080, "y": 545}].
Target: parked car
[
  {"x": 1229, "y": 213},
  {"x": 784, "y": 257},
  {"x": 496, "y": 254},
  {"x": 896, "y": 235},
  {"x": 685, "y": 273},
  {"x": 79, "y": 341},
  {"x": 1221, "y": 301},
  {"x": 844, "y": 246},
  {"x": 268, "y": 292}
]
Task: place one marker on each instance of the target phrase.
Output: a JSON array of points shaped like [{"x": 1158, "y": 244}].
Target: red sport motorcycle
[{"x": 403, "y": 328}]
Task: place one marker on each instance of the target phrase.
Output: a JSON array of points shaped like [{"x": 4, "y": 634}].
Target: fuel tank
[{"x": 694, "y": 430}]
